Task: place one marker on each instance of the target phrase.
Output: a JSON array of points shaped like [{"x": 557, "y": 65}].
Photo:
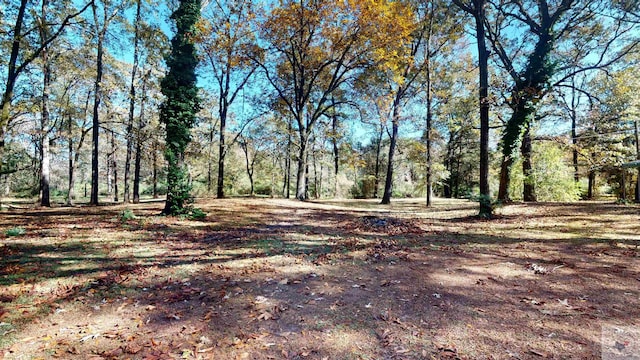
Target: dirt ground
[{"x": 279, "y": 279}]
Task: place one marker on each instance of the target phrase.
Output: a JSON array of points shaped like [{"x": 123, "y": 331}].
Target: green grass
[{"x": 16, "y": 231}]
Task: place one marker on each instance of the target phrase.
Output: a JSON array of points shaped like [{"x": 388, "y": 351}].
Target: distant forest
[{"x": 495, "y": 101}]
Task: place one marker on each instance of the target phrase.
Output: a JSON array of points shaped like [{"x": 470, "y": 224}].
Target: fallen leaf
[{"x": 132, "y": 348}]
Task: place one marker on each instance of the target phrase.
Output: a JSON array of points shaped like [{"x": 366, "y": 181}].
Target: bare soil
[{"x": 279, "y": 279}]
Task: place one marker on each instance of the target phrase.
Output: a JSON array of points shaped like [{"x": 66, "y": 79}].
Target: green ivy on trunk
[{"x": 178, "y": 112}]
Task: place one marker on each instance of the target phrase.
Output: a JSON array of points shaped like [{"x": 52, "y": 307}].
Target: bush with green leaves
[
  {"x": 127, "y": 215},
  {"x": 16, "y": 231},
  {"x": 552, "y": 175}
]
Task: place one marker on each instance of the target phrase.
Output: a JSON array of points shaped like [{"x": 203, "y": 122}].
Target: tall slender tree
[
  {"x": 132, "y": 100},
  {"x": 229, "y": 44},
  {"x": 103, "y": 16},
  {"x": 476, "y": 8},
  {"x": 178, "y": 112}
]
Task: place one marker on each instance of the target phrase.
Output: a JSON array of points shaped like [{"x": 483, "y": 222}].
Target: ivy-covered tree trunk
[
  {"x": 529, "y": 88},
  {"x": 529, "y": 189},
  {"x": 178, "y": 112}
]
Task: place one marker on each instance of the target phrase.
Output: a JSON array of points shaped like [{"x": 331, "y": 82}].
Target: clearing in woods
[{"x": 278, "y": 279}]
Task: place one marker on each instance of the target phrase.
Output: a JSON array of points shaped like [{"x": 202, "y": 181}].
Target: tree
[
  {"x": 132, "y": 99},
  {"x": 109, "y": 12},
  {"x": 178, "y": 112},
  {"x": 476, "y": 8},
  {"x": 568, "y": 38},
  {"x": 229, "y": 44},
  {"x": 317, "y": 47},
  {"x": 436, "y": 28},
  {"x": 20, "y": 59}
]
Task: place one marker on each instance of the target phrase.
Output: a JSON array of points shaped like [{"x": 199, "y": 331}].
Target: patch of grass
[
  {"x": 7, "y": 334},
  {"x": 127, "y": 215},
  {"x": 197, "y": 214},
  {"x": 16, "y": 231}
]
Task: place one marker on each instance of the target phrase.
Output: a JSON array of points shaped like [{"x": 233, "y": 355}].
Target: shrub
[
  {"x": 16, "y": 231},
  {"x": 127, "y": 215}
]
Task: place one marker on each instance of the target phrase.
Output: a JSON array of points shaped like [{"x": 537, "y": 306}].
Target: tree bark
[
  {"x": 72, "y": 180},
  {"x": 637, "y": 192},
  {"x": 486, "y": 209},
  {"x": 301, "y": 183},
  {"x": 139, "y": 140},
  {"x": 388, "y": 184},
  {"x": 132, "y": 103},
  {"x": 114, "y": 165},
  {"x": 477, "y": 10},
  {"x": 221, "y": 152},
  {"x": 428, "y": 130},
  {"x": 623, "y": 184},
  {"x": 592, "y": 184},
  {"x": 574, "y": 134},
  {"x": 529, "y": 190},
  {"x": 155, "y": 170},
  {"x": 45, "y": 152},
  {"x": 12, "y": 76},
  {"x": 249, "y": 163},
  {"x": 286, "y": 185},
  {"x": 376, "y": 184},
  {"x": 96, "y": 109},
  {"x": 334, "y": 142}
]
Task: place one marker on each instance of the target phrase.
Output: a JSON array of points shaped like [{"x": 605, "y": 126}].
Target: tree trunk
[
  {"x": 136, "y": 172},
  {"x": 334, "y": 142},
  {"x": 248, "y": 163},
  {"x": 428, "y": 130},
  {"x": 139, "y": 140},
  {"x": 316, "y": 194},
  {"x": 376, "y": 181},
  {"x": 109, "y": 174},
  {"x": 623, "y": 184},
  {"x": 505, "y": 179},
  {"x": 301, "y": 183},
  {"x": 222, "y": 151},
  {"x": 114, "y": 165},
  {"x": 45, "y": 167},
  {"x": 448, "y": 165},
  {"x": 210, "y": 156},
  {"x": 529, "y": 190},
  {"x": 486, "y": 209},
  {"x": 45, "y": 152},
  {"x": 306, "y": 175},
  {"x": 388, "y": 184},
  {"x": 132, "y": 103},
  {"x": 592, "y": 185},
  {"x": 637, "y": 135},
  {"x": 155, "y": 169},
  {"x": 574, "y": 136},
  {"x": 12, "y": 75},
  {"x": 72, "y": 180},
  {"x": 96, "y": 111},
  {"x": 287, "y": 175}
]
